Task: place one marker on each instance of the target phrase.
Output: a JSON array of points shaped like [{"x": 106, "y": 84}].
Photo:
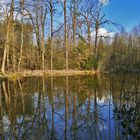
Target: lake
[{"x": 102, "y": 107}]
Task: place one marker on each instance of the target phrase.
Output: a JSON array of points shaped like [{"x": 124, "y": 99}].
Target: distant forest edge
[{"x": 58, "y": 35}]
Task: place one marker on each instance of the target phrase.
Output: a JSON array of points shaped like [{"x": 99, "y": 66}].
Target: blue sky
[{"x": 125, "y": 12}]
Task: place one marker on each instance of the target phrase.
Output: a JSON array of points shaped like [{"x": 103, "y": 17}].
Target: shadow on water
[{"x": 79, "y": 108}]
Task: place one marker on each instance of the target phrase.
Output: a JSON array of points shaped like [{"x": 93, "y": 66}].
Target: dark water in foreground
[{"x": 105, "y": 107}]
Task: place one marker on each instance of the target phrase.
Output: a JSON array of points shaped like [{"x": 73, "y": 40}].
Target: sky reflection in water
[{"x": 80, "y": 108}]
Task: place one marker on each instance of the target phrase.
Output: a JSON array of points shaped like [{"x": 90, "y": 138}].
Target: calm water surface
[{"x": 103, "y": 107}]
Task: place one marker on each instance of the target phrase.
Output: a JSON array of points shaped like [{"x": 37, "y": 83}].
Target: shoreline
[{"x": 47, "y": 73}]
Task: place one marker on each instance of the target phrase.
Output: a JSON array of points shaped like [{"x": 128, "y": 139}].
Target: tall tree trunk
[
  {"x": 13, "y": 38},
  {"x": 42, "y": 20},
  {"x": 74, "y": 21},
  {"x": 96, "y": 39},
  {"x": 89, "y": 31},
  {"x": 37, "y": 32},
  {"x": 21, "y": 47},
  {"x": 22, "y": 36},
  {"x": 51, "y": 12},
  {"x": 13, "y": 51},
  {"x": 65, "y": 34},
  {"x": 6, "y": 47},
  {"x": 43, "y": 49}
]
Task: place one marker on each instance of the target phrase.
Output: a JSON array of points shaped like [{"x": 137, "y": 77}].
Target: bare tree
[
  {"x": 8, "y": 19},
  {"x": 74, "y": 19},
  {"x": 51, "y": 20},
  {"x": 99, "y": 20}
]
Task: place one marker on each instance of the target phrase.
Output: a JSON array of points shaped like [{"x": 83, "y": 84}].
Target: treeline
[
  {"x": 123, "y": 55},
  {"x": 56, "y": 34}
]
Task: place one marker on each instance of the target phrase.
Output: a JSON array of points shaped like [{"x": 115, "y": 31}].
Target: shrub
[{"x": 90, "y": 63}]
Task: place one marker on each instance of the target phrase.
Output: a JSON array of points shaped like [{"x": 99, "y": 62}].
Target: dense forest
[{"x": 64, "y": 34}]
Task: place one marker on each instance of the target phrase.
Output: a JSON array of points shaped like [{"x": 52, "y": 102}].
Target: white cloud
[
  {"x": 104, "y": 2},
  {"x": 103, "y": 32}
]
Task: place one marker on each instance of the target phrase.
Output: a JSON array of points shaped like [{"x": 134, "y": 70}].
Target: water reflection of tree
[
  {"x": 81, "y": 102},
  {"x": 29, "y": 124},
  {"x": 88, "y": 117},
  {"x": 127, "y": 110},
  {"x": 74, "y": 100},
  {"x": 61, "y": 108},
  {"x": 1, "y": 123}
]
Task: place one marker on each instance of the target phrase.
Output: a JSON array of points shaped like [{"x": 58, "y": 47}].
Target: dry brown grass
[{"x": 47, "y": 73}]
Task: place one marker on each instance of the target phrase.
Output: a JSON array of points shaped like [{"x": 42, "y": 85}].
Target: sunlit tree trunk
[
  {"x": 65, "y": 34},
  {"x": 37, "y": 32},
  {"x": 43, "y": 14},
  {"x": 6, "y": 46},
  {"x": 74, "y": 20},
  {"x": 5, "y": 53},
  {"x": 96, "y": 38},
  {"x": 13, "y": 36},
  {"x": 22, "y": 35},
  {"x": 51, "y": 43},
  {"x": 88, "y": 31},
  {"x": 43, "y": 49}
]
